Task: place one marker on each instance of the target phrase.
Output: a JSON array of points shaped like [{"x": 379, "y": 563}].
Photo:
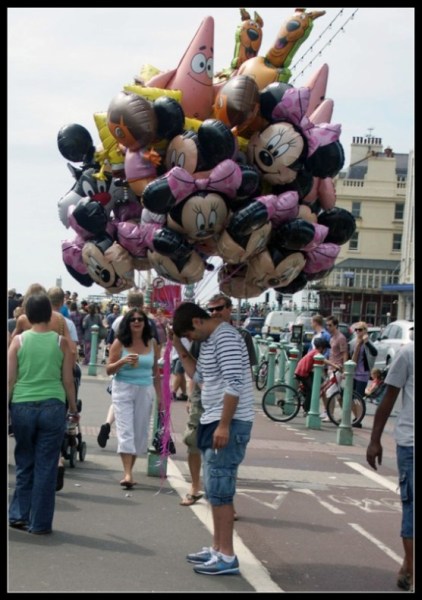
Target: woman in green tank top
[{"x": 40, "y": 378}]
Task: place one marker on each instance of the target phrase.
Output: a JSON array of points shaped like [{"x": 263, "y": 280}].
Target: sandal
[
  {"x": 128, "y": 485},
  {"x": 190, "y": 499},
  {"x": 404, "y": 581}
]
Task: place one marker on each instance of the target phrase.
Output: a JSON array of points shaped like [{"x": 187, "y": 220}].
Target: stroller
[
  {"x": 72, "y": 442},
  {"x": 377, "y": 393}
]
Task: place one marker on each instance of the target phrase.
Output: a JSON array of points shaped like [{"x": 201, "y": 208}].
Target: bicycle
[
  {"x": 261, "y": 376},
  {"x": 282, "y": 402}
]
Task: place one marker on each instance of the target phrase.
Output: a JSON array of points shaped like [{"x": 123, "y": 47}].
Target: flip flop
[
  {"x": 190, "y": 499},
  {"x": 128, "y": 485}
]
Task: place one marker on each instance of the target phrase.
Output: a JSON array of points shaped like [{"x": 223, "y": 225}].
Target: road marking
[
  {"x": 330, "y": 507},
  {"x": 251, "y": 568},
  {"x": 370, "y": 505},
  {"x": 274, "y": 505},
  {"x": 377, "y": 543},
  {"x": 393, "y": 487}
]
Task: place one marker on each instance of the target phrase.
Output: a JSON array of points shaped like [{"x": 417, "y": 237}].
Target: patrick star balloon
[{"x": 194, "y": 75}]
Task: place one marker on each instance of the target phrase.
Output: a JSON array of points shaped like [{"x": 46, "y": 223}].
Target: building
[{"x": 373, "y": 276}]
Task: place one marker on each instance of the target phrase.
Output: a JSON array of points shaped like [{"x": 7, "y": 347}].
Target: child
[
  {"x": 374, "y": 383},
  {"x": 304, "y": 369}
]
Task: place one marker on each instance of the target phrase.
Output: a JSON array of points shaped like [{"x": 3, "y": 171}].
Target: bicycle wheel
[
  {"x": 281, "y": 403},
  {"x": 335, "y": 408},
  {"x": 262, "y": 375}
]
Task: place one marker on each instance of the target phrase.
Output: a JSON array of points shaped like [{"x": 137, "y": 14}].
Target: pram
[{"x": 72, "y": 442}]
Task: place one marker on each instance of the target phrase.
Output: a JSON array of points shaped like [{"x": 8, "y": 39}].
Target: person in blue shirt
[
  {"x": 133, "y": 362},
  {"x": 317, "y": 325}
]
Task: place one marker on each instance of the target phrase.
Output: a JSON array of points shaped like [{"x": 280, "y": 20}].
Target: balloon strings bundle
[{"x": 164, "y": 410}]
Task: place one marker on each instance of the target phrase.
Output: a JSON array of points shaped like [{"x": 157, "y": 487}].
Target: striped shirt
[{"x": 223, "y": 367}]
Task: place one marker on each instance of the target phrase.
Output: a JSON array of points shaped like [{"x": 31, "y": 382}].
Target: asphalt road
[{"x": 313, "y": 516}]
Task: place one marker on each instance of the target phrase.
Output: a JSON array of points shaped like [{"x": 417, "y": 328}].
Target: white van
[{"x": 276, "y": 322}]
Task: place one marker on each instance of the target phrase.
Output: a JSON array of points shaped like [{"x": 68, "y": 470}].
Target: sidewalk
[{"x": 107, "y": 539}]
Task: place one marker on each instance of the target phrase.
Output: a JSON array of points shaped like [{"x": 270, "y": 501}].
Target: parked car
[
  {"x": 254, "y": 325},
  {"x": 305, "y": 319},
  {"x": 395, "y": 335},
  {"x": 276, "y": 322}
]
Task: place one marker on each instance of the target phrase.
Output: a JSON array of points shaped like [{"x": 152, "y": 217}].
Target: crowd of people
[{"x": 212, "y": 366}]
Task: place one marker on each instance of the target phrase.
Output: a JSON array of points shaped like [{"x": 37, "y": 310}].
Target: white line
[
  {"x": 326, "y": 505},
  {"x": 377, "y": 543},
  {"x": 252, "y": 570},
  {"x": 393, "y": 487}
]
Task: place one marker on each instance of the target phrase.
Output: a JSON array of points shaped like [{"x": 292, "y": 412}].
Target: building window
[
  {"x": 371, "y": 312},
  {"x": 354, "y": 241},
  {"x": 399, "y": 211},
  {"x": 356, "y": 209},
  {"x": 397, "y": 242}
]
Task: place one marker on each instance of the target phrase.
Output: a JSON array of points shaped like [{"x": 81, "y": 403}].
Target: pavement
[{"x": 302, "y": 498}]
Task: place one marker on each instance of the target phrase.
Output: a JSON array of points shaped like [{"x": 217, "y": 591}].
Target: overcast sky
[{"x": 65, "y": 64}]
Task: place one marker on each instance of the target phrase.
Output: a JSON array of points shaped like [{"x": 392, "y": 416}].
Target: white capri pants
[{"x": 132, "y": 406}]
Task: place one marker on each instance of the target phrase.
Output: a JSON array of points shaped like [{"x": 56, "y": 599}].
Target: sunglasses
[
  {"x": 216, "y": 308},
  {"x": 359, "y": 329},
  {"x": 136, "y": 320}
]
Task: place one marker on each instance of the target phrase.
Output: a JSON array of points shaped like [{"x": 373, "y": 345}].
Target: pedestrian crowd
[{"x": 49, "y": 332}]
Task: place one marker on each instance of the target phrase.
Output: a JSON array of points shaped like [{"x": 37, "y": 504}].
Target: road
[{"x": 313, "y": 516}]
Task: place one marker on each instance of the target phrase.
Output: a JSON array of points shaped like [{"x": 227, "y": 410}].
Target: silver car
[{"x": 391, "y": 339}]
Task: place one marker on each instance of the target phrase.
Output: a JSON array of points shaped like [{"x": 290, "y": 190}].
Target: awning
[{"x": 398, "y": 287}]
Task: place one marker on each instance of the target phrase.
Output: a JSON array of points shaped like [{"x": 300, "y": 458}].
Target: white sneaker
[
  {"x": 326, "y": 420},
  {"x": 323, "y": 415}
]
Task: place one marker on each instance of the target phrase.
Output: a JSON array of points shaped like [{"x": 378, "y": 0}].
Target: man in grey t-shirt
[{"x": 399, "y": 377}]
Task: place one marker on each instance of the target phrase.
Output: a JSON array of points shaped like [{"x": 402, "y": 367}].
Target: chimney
[{"x": 388, "y": 152}]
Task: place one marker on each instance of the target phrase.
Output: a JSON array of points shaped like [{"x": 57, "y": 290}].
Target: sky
[{"x": 65, "y": 64}]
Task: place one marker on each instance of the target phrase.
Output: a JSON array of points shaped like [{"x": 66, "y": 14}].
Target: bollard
[
  {"x": 272, "y": 353},
  {"x": 291, "y": 380},
  {"x": 157, "y": 465},
  {"x": 256, "y": 339},
  {"x": 345, "y": 432},
  {"x": 313, "y": 420},
  {"x": 282, "y": 362},
  {"x": 293, "y": 360},
  {"x": 92, "y": 367}
]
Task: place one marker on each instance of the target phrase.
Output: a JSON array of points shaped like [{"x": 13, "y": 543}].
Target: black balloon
[
  {"x": 75, "y": 143},
  {"x": 170, "y": 117},
  {"x": 171, "y": 243},
  {"x": 82, "y": 278},
  {"x": 341, "y": 225},
  {"x": 249, "y": 218},
  {"x": 216, "y": 142},
  {"x": 91, "y": 215},
  {"x": 327, "y": 161},
  {"x": 293, "y": 234},
  {"x": 294, "y": 286},
  {"x": 157, "y": 196},
  {"x": 270, "y": 96}
]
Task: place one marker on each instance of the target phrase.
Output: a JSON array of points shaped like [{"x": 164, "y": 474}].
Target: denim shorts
[
  {"x": 220, "y": 466},
  {"x": 405, "y": 468},
  {"x": 176, "y": 367}
]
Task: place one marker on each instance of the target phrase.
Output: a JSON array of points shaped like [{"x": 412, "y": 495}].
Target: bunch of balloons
[{"x": 192, "y": 166}]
